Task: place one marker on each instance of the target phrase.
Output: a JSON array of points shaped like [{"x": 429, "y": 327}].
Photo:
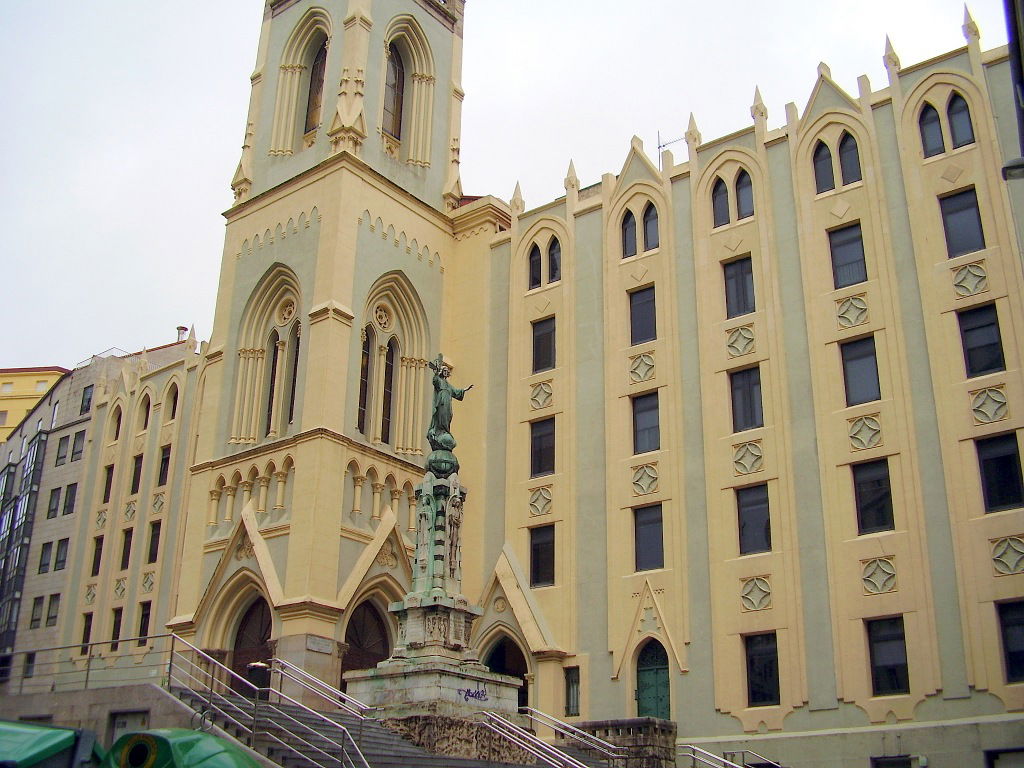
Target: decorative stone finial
[
  {"x": 692, "y": 134},
  {"x": 824, "y": 70},
  {"x": 970, "y": 27},
  {"x": 891, "y": 60},
  {"x": 518, "y": 204},
  {"x": 758, "y": 111},
  {"x": 571, "y": 179}
]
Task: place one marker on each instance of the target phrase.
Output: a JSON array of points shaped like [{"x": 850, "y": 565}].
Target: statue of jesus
[{"x": 439, "y": 434}]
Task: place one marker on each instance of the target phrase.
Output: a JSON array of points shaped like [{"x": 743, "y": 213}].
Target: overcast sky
[{"x": 123, "y": 122}]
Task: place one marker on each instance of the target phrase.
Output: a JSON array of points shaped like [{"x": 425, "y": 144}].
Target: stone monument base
[{"x": 458, "y": 737}]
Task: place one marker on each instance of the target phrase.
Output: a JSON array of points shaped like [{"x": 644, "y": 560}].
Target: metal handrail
[
  {"x": 584, "y": 739},
  {"x": 742, "y": 753},
  {"x": 696, "y": 754},
  {"x": 323, "y": 689},
  {"x": 528, "y": 741}
]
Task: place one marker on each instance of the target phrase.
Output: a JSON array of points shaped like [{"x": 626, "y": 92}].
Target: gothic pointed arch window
[
  {"x": 298, "y": 108},
  {"x": 628, "y": 235},
  {"x": 394, "y": 92},
  {"x": 849, "y": 158},
  {"x": 294, "y": 346},
  {"x": 651, "y": 235},
  {"x": 115, "y": 427},
  {"x": 534, "y": 277},
  {"x": 315, "y": 95},
  {"x": 931, "y": 131},
  {"x": 390, "y": 357},
  {"x": 720, "y": 203},
  {"x": 407, "y": 66},
  {"x": 554, "y": 260},
  {"x": 144, "y": 413},
  {"x": 274, "y": 345},
  {"x": 364, "y": 377},
  {"x": 172, "y": 402},
  {"x": 744, "y": 195},
  {"x": 961, "y": 130},
  {"x": 824, "y": 176}
]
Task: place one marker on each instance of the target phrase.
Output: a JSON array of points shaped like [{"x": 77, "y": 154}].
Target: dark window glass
[
  {"x": 145, "y": 610},
  {"x": 165, "y": 465},
  {"x": 54, "y": 504},
  {"x": 999, "y": 463},
  {"x": 849, "y": 159},
  {"x": 1011, "y": 627},
  {"x": 931, "y": 131},
  {"x": 115, "y": 628},
  {"x": 126, "y": 547},
  {"x": 52, "y": 610},
  {"x": 86, "y": 632},
  {"x": 364, "y": 379},
  {"x": 136, "y": 473},
  {"x": 62, "y": 450},
  {"x": 542, "y": 447},
  {"x": 275, "y": 352},
  {"x": 873, "y": 496},
  {"x": 543, "y": 344},
  {"x": 847, "y": 248},
  {"x": 720, "y": 203},
  {"x": 315, "y": 98},
  {"x": 389, "y": 384},
  {"x": 739, "y": 287},
  {"x": 891, "y": 762},
  {"x": 542, "y": 556},
  {"x": 97, "y": 555},
  {"x": 762, "y": 670},
  {"x": 746, "y": 399},
  {"x": 651, "y": 235},
  {"x": 173, "y": 412},
  {"x": 554, "y": 261},
  {"x": 744, "y": 196},
  {"x": 646, "y": 430},
  {"x": 572, "y": 691},
  {"x": 394, "y": 93},
  {"x": 45, "y": 553},
  {"x": 154, "y": 542},
  {"x": 643, "y": 324},
  {"x": 860, "y": 371},
  {"x": 649, "y": 545},
  {"x": 824, "y": 176},
  {"x": 78, "y": 446},
  {"x": 29, "y": 668},
  {"x": 144, "y": 412},
  {"x": 535, "y": 271},
  {"x": 961, "y": 222},
  {"x": 961, "y": 132},
  {"x": 70, "y": 495},
  {"x": 628, "y": 235},
  {"x": 60, "y": 559},
  {"x": 36, "y": 619},
  {"x": 983, "y": 348},
  {"x": 86, "y": 399},
  {"x": 108, "y": 482},
  {"x": 117, "y": 424},
  {"x": 755, "y": 526},
  {"x": 293, "y": 382},
  {"x": 888, "y": 650}
]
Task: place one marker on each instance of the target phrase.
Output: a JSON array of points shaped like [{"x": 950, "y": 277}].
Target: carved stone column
[
  {"x": 246, "y": 492},
  {"x": 377, "y": 488},
  {"x": 229, "y": 505},
  {"x": 281, "y": 477},
  {"x": 261, "y": 498},
  {"x": 211, "y": 515},
  {"x": 357, "y": 497}
]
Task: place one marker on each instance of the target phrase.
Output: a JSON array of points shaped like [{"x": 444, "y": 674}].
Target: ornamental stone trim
[
  {"x": 641, "y": 367},
  {"x": 852, "y": 311},
  {"x": 645, "y": 479},
  {"x": 101, "y": 518},
  {"x": 158, "y": 503},
  {"x": 129, "y": 511},
  {"x": 970, "y": 279},
  {"x": 989, "y": 405},
  {"x": 865, "y": 432},
  {"x": 748, "y": 457},
  {"x": 90, "y": 594},
  {"x": 148, "y": 580},
  {"x": 121, "y": 586},
  {"x": 540, "y": 500},
  {"x": 541, "y": 395},
  {"x": 1008, "y": 555},
  {"x": 740, "y": 341},
  {"x": 756, "y": 593},
  {"x": 878, "y": 575}
]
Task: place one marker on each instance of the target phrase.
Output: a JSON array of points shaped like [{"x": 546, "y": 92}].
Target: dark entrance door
[
  {"x": 652, "y": 696},
  {"x": 367, "y": 639},
  {"x": 505, "y": 658},
  {"x": 252, "y": 643}
]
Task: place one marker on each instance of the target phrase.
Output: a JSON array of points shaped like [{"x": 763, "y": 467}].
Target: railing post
[
  {"x": 88, "y": 666},
  {"x": 170, "y": 664}
]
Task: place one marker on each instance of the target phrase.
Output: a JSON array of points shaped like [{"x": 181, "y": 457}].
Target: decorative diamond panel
[
  {"x": 756, "y": 593},
  {"x": 158, "y": 502},
  {"x": 952, "y": 173},
  {"x": 120, "y": 586},
  {"x": 540, "y": 500},
  {"x": 1008, "y": 555},
  {"x": 148, "y": 580},
  {"x": 641, "y": 367},
  {"x": 989, "y": 405},
  {"x": 741, "y": 341},
  {"x": 101, "y": 518},
  {"x": 129, "y": 511},
  {"x": 541, "y": 395},
  {"x": 970, "y": 279},
  {"x": 748, "y": 457},
  {"x": 645, "y": 479},
  {"x": 851, "y": 311},
  {"x": 90, "y": 594},
  {"x": 865, "y": 432},
  {"x": 878, "y": 575}
]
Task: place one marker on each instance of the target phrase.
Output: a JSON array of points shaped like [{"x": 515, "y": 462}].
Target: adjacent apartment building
[{"x": 20, "y": 390}]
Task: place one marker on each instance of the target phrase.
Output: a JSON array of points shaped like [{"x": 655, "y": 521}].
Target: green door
[{"x": 652, "y": 697}]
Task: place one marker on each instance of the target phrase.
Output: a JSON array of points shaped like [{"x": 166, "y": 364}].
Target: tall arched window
[
  {"x": 628, "y": 235},
  {"x": 931, "y": 131},
  {"x": 364, "y": 378},
  {"x": 144, "y": 413},
  {"x": 535, "y": 271},
  {"x": 394, "y": 93},
  {"x": 293, "y": 375},
  {"x": 275, "y": 351},
  {"x": 824, "y": 176},
  {"x": 315, "y": 97},
  {"x": 389, "y": 382},
  {"x": 849, "y": 159},
  {"x": 650, "y": 227},
  {"x": 172, "y": 403},
  {"x": 744, "y": 196},
  {"x": 554, "y": 261},
  {"x": 116, "y": 427},
  {"x": 720, "y": 202},
  {"x": 961, "y": 131}
]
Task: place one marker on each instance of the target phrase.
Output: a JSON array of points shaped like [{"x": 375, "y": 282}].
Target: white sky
[{"x": 122, "y": 122}]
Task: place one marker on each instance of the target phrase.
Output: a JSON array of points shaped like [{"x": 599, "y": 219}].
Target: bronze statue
[{"x": 439, "y": 434}]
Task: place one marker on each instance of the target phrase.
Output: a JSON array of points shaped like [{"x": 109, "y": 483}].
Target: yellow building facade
[{"x": 20, "y": 390}]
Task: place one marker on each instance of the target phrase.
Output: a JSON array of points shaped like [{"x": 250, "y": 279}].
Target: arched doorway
[
  {"x": 367, "y": 638},
  {"x": 652, "y": 690},
  {"x": 252, "y": 640},
  {"x": 505, "y": 658}
]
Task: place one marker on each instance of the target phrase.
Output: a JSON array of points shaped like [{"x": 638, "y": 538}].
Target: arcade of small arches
[
  {"x": 270, "y": 487},
  {"x": 368, "y": 490}
]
